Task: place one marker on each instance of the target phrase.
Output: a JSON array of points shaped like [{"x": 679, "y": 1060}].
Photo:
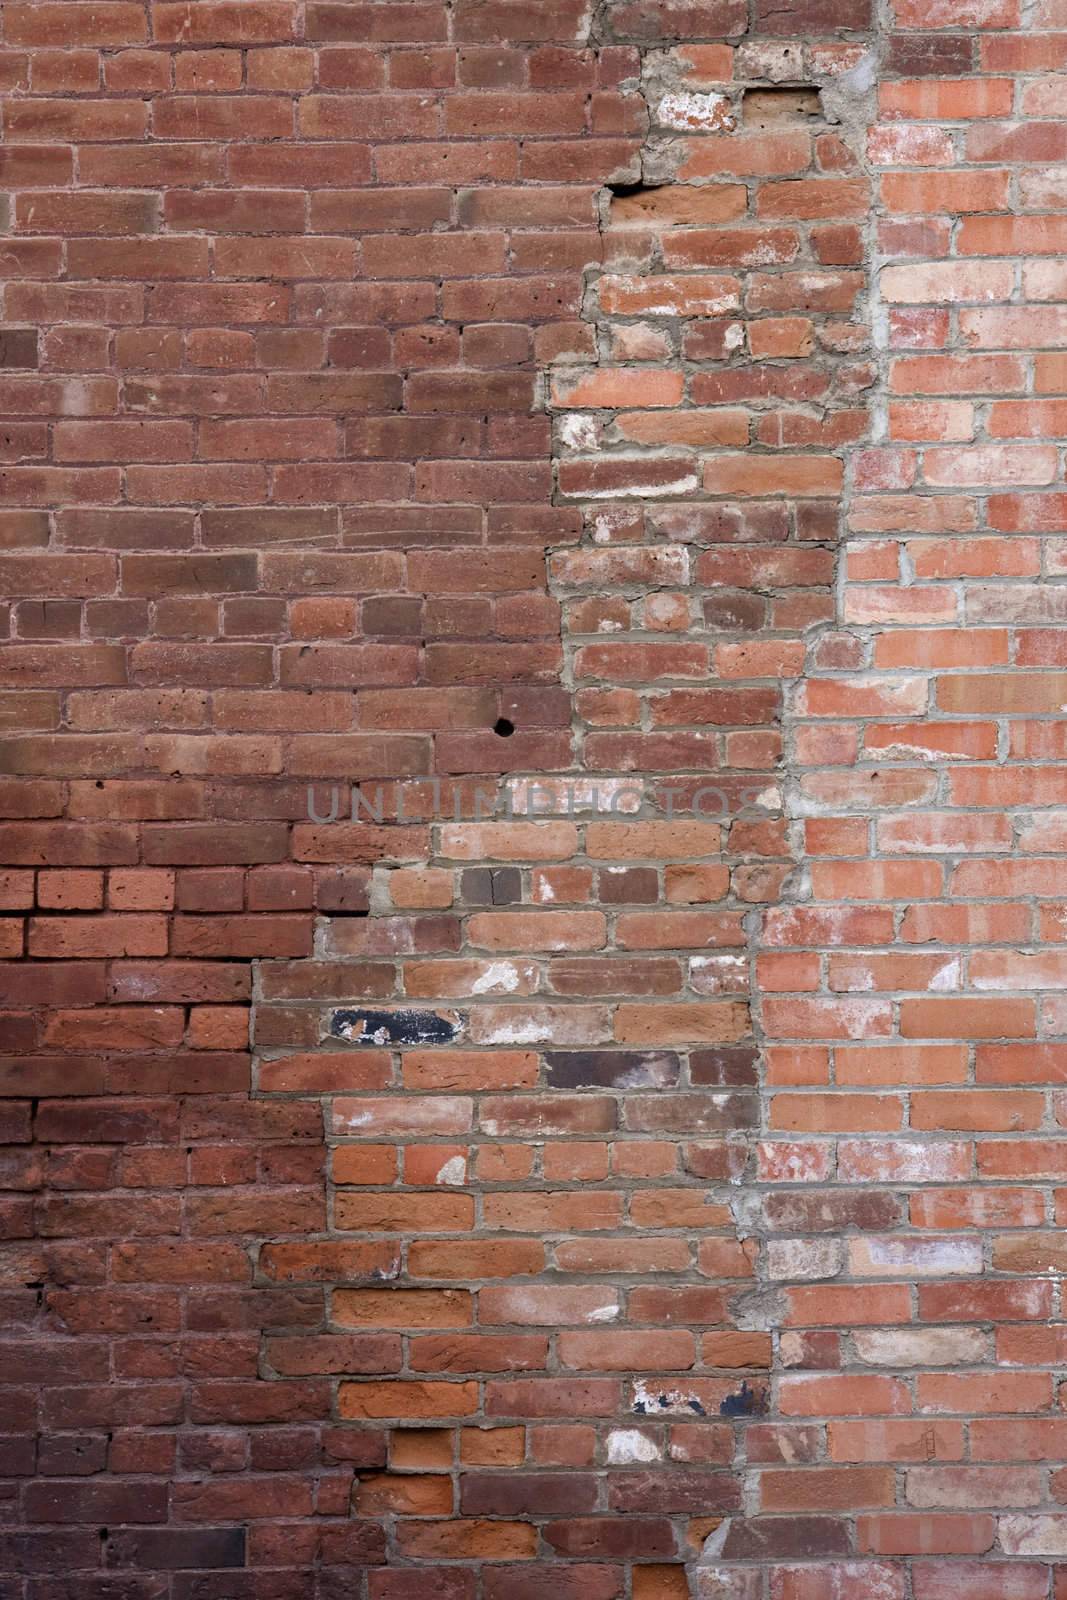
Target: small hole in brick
[
  {"x": 504, "y": 727},
  {"x": 623, "y": 191},
  {"x": 769, "y": 108}
]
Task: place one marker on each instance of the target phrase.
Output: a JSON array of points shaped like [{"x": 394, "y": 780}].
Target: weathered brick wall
[{"x": 653, "y": 406}]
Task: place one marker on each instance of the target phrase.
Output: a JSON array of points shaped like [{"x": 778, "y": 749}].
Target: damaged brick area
[{"x": 643, "y": 414}]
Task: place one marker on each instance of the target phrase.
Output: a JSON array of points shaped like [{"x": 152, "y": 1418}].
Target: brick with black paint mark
[{"x": 396, "y": 1027}]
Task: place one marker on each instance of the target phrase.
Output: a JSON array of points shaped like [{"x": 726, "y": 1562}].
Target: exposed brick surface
[{"x": 618, "y": 1156}]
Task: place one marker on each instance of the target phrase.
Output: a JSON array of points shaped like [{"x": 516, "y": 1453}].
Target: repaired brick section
[{"x": 633, "y": 1205}]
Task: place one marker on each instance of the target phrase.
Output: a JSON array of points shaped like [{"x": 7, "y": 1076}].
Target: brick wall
[{"x": 618, "y": 1161}]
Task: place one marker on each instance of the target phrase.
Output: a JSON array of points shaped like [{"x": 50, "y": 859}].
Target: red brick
[
  {"x": 947, "y": 1535},
  {"x": 161, "y": 709}
]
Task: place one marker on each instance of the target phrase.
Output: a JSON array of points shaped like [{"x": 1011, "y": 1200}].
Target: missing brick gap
[
  {"x": 625, "y": 191},
  {"x": 785, "y": 103}
]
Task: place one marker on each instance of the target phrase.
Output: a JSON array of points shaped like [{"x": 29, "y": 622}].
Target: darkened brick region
[{"x": 533, "y": 800}]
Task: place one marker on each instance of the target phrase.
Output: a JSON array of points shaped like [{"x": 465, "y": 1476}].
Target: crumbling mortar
[
  {"x": 763, "y": 1307},
  {"x": 851, "y": 102}
]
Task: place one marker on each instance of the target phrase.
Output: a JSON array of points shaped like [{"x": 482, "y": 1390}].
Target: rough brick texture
[{"x": 626, "y": 440}]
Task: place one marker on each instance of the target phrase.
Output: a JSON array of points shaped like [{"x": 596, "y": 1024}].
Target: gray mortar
[{"x": 850, "y": 106}]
